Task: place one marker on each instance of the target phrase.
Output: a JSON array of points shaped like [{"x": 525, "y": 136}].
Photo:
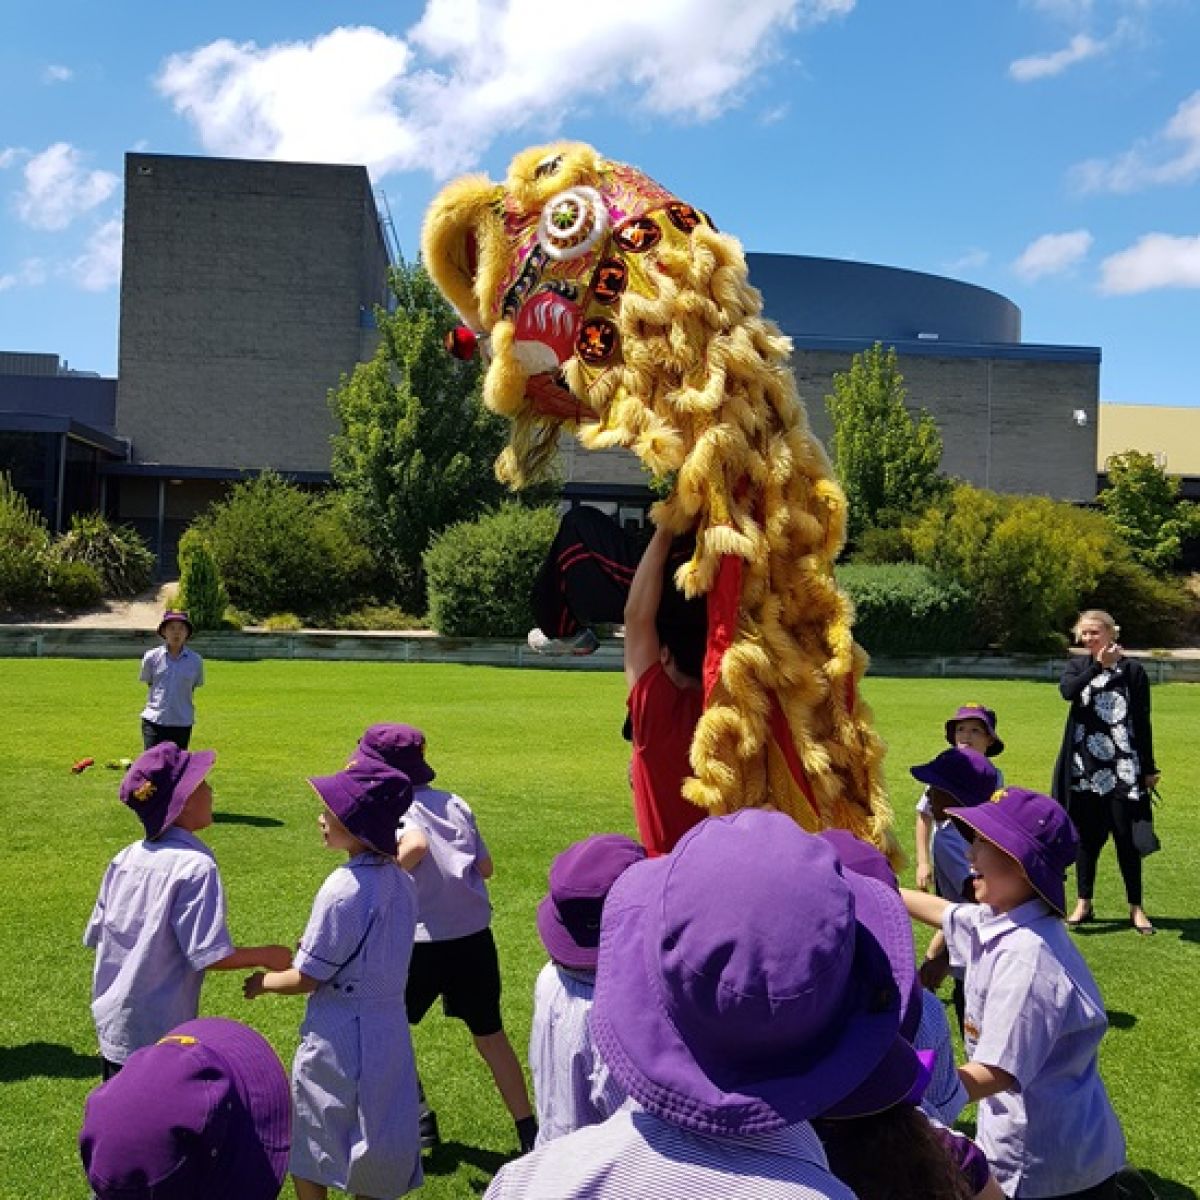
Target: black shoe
[
  {"x": 428, "y": 1125},
  {"x": 527, "y": 1131}
]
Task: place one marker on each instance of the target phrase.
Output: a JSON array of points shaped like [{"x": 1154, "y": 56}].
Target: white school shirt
[
  {"x": 572, "y": 1086},
  {"x": 172, "y": 681},
  {"x": 636, "y": 1154},
  {"x": 945, "y": 1097},
  {"x": 1033, "y": 1010},
  {"x": 452, "y": 897},
  {"x": 159, "y": 921}
]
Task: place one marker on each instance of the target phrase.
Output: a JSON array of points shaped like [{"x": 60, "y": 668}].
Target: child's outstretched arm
[
  {"x": 923, "y": 907},
  {"x": 274, "y": 958},
  {"x": 290, "y": 982},
  {"x": 980, "y": 1080},
  {"x": 411, "y": 847},
  {"x": 922, "y": 837}
]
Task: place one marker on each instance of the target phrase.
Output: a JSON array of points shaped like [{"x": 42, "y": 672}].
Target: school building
[{"x": 248, "y": 291}]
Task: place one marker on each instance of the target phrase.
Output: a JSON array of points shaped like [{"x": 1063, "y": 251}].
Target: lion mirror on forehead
[{"x": 612, "y": 309}]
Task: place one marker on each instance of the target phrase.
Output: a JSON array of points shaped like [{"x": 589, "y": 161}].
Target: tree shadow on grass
[
  {"x": 46, "y": 1060},
  {"x": 227, "y": 818},
  {"x": 447, "y": 1157}
]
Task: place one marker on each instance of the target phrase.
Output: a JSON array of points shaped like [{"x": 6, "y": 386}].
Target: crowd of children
[{"x": 740, "y": 1015}]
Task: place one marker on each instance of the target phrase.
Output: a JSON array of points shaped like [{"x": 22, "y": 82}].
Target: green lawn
[{"x": 539, "y": 757}]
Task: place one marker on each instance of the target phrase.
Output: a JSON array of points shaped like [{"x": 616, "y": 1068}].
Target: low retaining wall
[{"x": 72, "y": 641}]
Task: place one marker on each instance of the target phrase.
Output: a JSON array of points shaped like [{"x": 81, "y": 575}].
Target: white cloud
[
  {"x": 470, "y": 70},
  {"x": 1052, "y": 253},
  {"x": 56, "y": 73},
  {"x": 1043, "y": 66},
  {"x": 1156, "y": 260},
  {"x": 9, "y": 155},
  {"x": 30, "y": 273},
  {"x": 58, "y": 188},
  {"x": 971, "y": 260},
  {"x": 1172, "y": 155},
  {"x": 99, "y": 267}
]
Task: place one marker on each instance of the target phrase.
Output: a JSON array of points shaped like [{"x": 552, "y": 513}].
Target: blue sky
[{"x": 1048, "y": 149}]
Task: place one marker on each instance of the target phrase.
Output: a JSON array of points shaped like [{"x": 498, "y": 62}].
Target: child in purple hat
[
  {"x": 1034, "y": 1016},
  {"x": 202, "y": 1113},
  {"x": 455, "y": 954},
  {"x": 172, "y": 671},
  {"x": 729, "y": 1033},
  {"x": 159, "y": 920},
  {"x": 960, "y": 776},
  {"x": 354, "y": 1078},
  {"x": 571, "y": 1084}
]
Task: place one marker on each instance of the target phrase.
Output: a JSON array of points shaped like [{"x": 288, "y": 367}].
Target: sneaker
[
  {"x": 584, "y": 642},
  {"x": 428, "y": 1126}
]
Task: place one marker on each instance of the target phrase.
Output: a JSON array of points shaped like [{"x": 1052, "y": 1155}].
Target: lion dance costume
[{"x": 614, "y": 310}]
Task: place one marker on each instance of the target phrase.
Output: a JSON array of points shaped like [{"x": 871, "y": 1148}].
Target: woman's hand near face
[{"x": 1109, "y": 655}]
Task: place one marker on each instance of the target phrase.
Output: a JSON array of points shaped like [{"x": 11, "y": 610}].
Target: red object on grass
[{"x": 82, "y": 765}]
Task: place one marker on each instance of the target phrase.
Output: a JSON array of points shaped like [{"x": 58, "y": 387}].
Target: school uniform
[
  {"x": 571, "y": 1083},
  {"x": 1033, "y": 1010},
  {"x": 169, "y": 713},
  {"x": 158, "y": 923},
  {"x": 944, "y": 1097},
  {"x": 635, "y": 1153},
  {"x": 354, "y": 1079}
]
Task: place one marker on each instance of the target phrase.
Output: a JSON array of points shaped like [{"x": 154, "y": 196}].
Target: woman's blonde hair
[{"x": 1095, "y": 614}]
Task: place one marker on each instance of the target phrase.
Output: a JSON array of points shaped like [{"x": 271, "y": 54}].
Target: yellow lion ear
[{"x": 463, "y": 229}]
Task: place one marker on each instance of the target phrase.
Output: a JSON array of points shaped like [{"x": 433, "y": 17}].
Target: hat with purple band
[
  {"x": 1032, "y": 829},
  {"x": 964, "y": 773},
  {"x": 568, "y": 918},
  {"x": 203, "y": 1113},
  {"x": 175, "y": 614},
  {"x": 976, "y": 712},
  {"x": 402, "y": 747},
  {"x": 742, "y": 985},
  {"x": 160, "y": 781},
  {"x": 369, "y": 798}
]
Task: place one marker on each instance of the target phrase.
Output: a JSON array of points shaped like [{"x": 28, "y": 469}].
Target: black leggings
[{"x": 1095, "y": 818}]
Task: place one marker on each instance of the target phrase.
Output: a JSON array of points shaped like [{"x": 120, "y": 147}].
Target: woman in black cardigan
[{"x": 1106, "y": 766}]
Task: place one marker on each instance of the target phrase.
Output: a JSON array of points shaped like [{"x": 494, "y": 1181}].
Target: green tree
[
  {"x": 1142, "y": 501},
  {"x": 416, "y": 449},
  {"x": 886, "y": 462}
]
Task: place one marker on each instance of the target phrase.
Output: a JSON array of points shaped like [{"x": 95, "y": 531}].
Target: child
[
  {"x": 964, "y": 777},
  {"x": 455, "y": 953},
  {"x": 571, "y": 1084},
  {"x": 202, "y": 1112},
  {"x": 974, "y": 727},
  {"x": 729, "y": 1021},
  {"x": 1034, "y": 1016},
  {"x": 354, "y": 1080},
  {"x": 173, "y": 672},
  {"x": 159, "y": 921}
]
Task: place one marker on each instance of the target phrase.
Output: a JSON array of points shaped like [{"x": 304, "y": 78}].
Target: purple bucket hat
[
  {"x": 1032, "y": 829},
  {"x": 175, "y": 614},
  {"x": 964, "y": 773},
  {"x": 160, "y": 781},
  {"x": 205, "y": 1112},
  {"x": 568, "y": 918},
  {"x": 740, "y": 987},
  {"x": 369, "y": 798},
  {"x": 976, "y": 712},
  {"x": 401, "y": 747}
]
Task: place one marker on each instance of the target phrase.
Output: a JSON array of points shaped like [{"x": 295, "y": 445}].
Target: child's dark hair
[
  {"x": 892, "y": 1155},
  {"x": 686, "y": 644}
]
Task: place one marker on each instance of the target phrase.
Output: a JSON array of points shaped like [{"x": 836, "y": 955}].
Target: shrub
[
  {"x": 480, "y": 572},
  {"x": 122, "y": 559},
  {"x": 283, "y": 623},
  {"x": 24, "y": 548},
  {"x": 74, "y": 584},
  {"x": 1151, "y": 610},
  {"x": 883, "y": 544},
  {"x": 378, "y": 617},
  {"x": 200, "y": 589},
  {"x": 905, "y": 609},
  {"x": 281, "y": 549}
]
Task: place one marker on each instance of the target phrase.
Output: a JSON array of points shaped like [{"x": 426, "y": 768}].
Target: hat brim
[
  {"x": 559, "y": 942},
  {"x": 649, "y": 1058},
  {"x": 181, "y": 620},
  {"x": 334, "y": 793},
  {"x": 200, "y": 762},
  {"x": 996, "y": 747},
  {"x": 891, "y": 1083},
  {"x": 259, "y": 1078},
  {"x": 418, "y": 771},
  {"x": 991, "y": 823},
  {"x": 929, "y": 775}
]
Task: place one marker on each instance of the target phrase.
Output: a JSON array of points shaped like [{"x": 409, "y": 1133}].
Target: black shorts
[{"x": 465, "y": 972}]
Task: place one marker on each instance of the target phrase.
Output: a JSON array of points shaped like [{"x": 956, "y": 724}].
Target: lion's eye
[
  {"x": 572, "y": 222},
  {"x": 547, "y": 166}
]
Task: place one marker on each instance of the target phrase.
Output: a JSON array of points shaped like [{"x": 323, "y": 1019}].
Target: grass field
[{"x": 539, "y": 757}]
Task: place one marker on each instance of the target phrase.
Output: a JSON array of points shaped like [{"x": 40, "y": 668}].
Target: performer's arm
[{"x": 641, "y": 608}]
